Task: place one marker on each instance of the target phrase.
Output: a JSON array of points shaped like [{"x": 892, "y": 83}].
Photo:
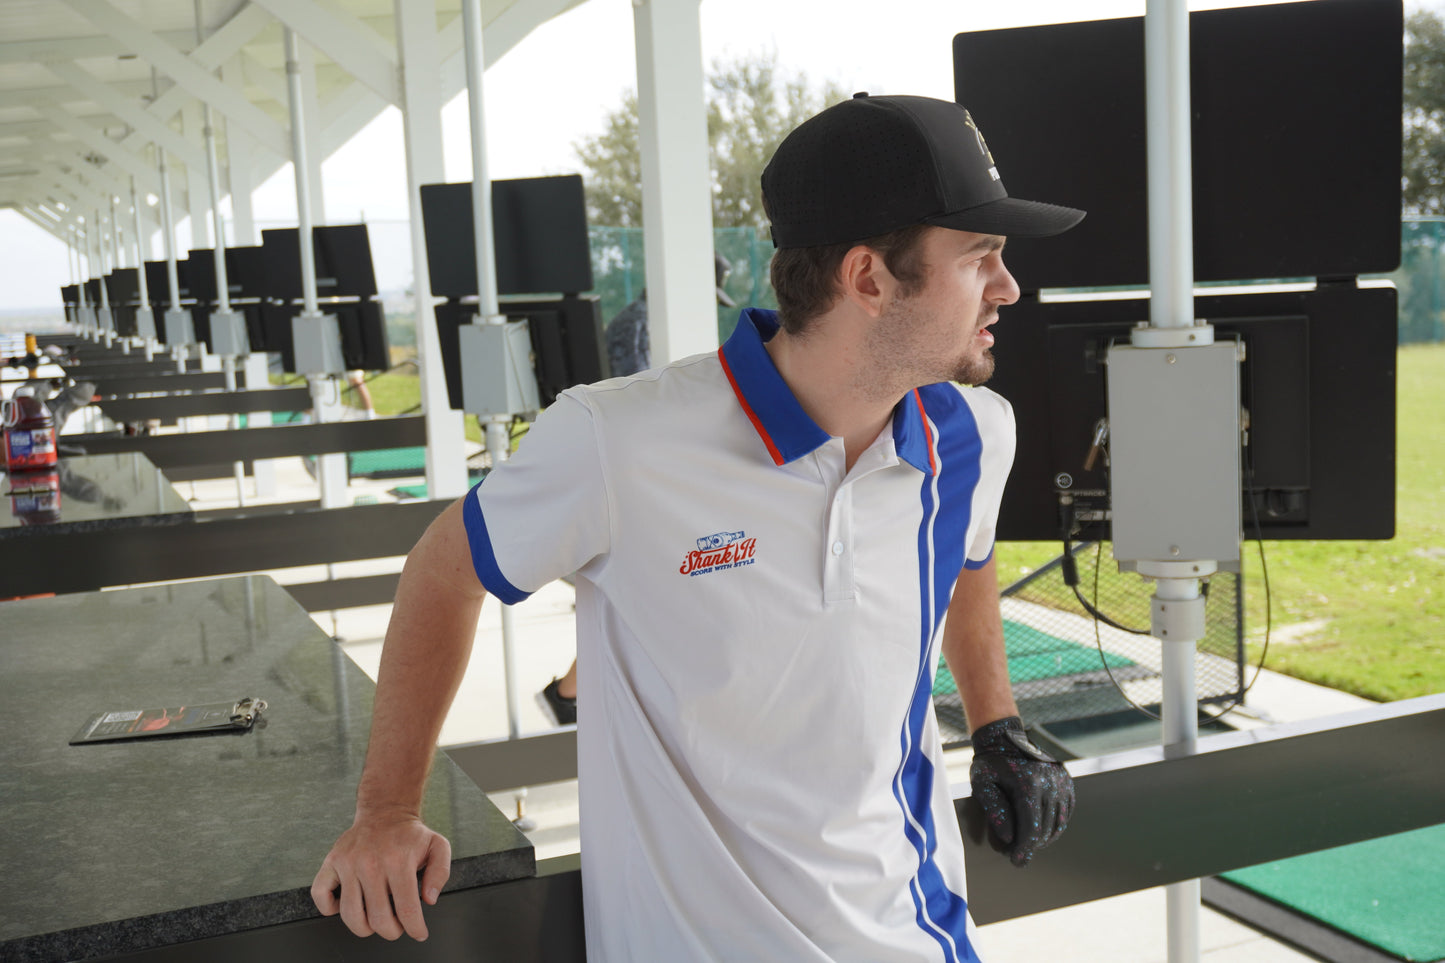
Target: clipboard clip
[{"x": 247, "y": 710}]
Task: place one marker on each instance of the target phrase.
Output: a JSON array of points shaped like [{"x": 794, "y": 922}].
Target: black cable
[{"x": 1071, "y": 576}]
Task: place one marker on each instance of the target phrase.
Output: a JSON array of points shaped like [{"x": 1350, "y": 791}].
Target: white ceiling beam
[
  {"x": 67, "y": 157},
  {"x": 129, "y": 161},
  {"x": 25, "y": 96},
  {"x": 215, "y": 50},
  {"x": 56, "y": 231},
  {"x": 76, "y": 195},
  {"x": 259, "y": 75},
  {"x": 135, "y": 116},
  {"x": 198, "y": 80},
  {"x": 75, "y": 48},
  {"x": 353, "y": 45}
]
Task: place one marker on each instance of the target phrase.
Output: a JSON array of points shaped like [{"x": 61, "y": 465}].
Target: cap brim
[{"x": 1012, "y": 217}]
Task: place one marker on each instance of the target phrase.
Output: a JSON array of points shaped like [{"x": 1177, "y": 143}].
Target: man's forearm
[
  {"x": 428, "y": 644},
  {"x": 973, "y": 647}
]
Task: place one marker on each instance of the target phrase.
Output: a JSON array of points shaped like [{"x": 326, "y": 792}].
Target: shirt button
[{"x": 837, "y": 548}]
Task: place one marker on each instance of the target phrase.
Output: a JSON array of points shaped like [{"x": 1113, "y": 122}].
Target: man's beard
[{"x": 975, "y": 371}]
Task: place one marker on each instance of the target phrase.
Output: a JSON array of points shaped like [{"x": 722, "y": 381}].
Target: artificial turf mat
[
  {"x": 1034, "y": 655},
  {"x": 1388, "y": 892},
  {"x": 383, "y": 461}
]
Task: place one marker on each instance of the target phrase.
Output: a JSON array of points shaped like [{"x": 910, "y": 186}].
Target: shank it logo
[{"x": 723, "y": 550}]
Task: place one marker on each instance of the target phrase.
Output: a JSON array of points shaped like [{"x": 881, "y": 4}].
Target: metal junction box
[
  {"x": 497, "y": 373},
  {"x": 1174, "y": 453}
]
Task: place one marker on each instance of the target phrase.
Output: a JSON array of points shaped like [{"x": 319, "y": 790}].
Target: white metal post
[
  {"x": 103, "y": 316},
  {"x": 446, "y": 468},
  {"x": 144, "y": 317},
  {"x": 498, "y": 437},
  {"x": 119, "y": 260},
  {"x": 331, "y": 467},
  {"x": 676, "y": 183},
  {"x": 1171, "y": 278}
]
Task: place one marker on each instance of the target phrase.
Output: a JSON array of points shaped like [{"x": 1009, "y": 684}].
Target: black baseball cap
[{"x": 871, "y": 165}]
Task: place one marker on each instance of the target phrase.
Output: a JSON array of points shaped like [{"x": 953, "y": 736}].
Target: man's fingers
[
  {"x": 323, "y": 890},
  {"x": 379, "y": 915},
  {"x": 353, "y": 908},
  {"x": 438, "y": 868},
  {"x": 996, "y": 807},
  {"x": 406, "y": 902}
]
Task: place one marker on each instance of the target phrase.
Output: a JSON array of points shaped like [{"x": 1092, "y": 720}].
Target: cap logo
[{"x": 982, "y": 145}]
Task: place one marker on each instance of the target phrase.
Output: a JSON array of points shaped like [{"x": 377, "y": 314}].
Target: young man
[{"x": 766, "y": 541}]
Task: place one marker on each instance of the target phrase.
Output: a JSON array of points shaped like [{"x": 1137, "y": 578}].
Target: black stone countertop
[
  {"x": 113, "y": 847},
  {"x": 89, "y": 493}
]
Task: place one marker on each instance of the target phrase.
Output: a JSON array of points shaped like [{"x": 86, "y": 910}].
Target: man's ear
[{"x": 865, "y": 280}]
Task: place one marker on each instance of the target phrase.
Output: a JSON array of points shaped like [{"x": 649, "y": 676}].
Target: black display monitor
[
  {"x": 246, "y": 272},
  {"x": 1317, "y": 383},
  {"x": 92, "y": 292},
  {"x": 364, "y": 343},
  {"x": 158, "y": 285},
  {"x": 344, "y": 266},
  {"x": 1296, "y": 140},
  {"x": 201, "y": 272},
  {"x": 568, "y": 344},
  {"x": 70, "y": 295},
  {"x": 539, "y": 230},
  {"x": 123, "y": 286}
]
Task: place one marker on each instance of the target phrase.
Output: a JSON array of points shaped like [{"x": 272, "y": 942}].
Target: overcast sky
[{"x": 574, "y": 69}]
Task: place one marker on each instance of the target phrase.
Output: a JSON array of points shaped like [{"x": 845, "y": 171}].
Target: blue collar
[{"x": 782, "y": 424}]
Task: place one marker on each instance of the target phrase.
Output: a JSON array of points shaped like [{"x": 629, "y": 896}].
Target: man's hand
[
  {"x": 374, "y": 865},
  {"x": 1026, "y": 795}
]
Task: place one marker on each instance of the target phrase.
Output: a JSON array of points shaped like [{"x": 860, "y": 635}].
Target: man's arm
[
  {"x": 973, "y": 647},
  {"x": 428, "y": 642},
  {"x": 1026, "y": 795}
]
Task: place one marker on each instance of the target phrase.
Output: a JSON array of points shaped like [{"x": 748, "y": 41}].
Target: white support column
[
  {"x": 1171, "y": 278},
  {"x": 311, "y": 110},
  {"x": 240, "y": 151},
  {"x": 145, "y": 324},
  {"x": 196, "y": 193},
  {"x": 446, "y": 469},
  {"x": 323, "y": 381},
  {"x": 676, "y": 183}
]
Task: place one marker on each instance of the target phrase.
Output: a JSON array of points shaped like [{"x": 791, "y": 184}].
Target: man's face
[{"x": 939, "y": 332}]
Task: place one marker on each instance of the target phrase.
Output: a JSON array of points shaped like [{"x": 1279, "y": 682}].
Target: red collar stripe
[
  {"x": 748, "y": 410},
  {"x": 927, "y": 431}
]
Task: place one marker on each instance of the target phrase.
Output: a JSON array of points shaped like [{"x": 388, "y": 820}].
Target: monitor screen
[
  {"x": 201, "y": 270},
  {"x": 344, "y": 267},
  {"x": 1319, "y": 463},
  {"x": 123, "y": 286},
  {"x": 568, "y": 346},
  {"x": 246, "y": 272},
  {"x": 70, "y": 294},
  {"x": 1296, "y": 140},
  {"x": 539, "y": 230},
  {"x": 364, "y": 343},
  {"x": 158, "y": 285}
]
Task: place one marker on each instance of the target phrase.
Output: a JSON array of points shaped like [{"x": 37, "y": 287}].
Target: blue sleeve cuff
[
  {"x": 969, "y": 563},
  {"x": 484, "y": 561}
]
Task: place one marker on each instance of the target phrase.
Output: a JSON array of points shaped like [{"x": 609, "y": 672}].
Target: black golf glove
[{"x": 1025, "y": 793}]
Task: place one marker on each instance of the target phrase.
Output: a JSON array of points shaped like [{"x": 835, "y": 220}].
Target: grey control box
[
  {"x": 497, "y": 372},
  {"x": 1174, "y": 447}
]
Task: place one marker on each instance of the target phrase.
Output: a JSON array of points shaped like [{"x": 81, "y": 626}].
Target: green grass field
[{"x": 1365, "y": 617}]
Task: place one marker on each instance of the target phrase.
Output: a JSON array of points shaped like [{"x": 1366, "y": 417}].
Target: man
[{"x": 766, "y": 541}]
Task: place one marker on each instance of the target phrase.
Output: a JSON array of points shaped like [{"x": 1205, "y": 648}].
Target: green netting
[{"x": 1034, "y": 655}]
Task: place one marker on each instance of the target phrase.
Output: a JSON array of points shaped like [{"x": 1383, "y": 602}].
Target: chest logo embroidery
[{"x": 722, "y": 550}]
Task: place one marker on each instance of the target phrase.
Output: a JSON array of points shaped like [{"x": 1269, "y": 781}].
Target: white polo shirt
[{"x": 757, "y": 633}]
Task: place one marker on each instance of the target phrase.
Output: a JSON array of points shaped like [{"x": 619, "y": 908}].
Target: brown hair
[{"x": 805, "y": 279}]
